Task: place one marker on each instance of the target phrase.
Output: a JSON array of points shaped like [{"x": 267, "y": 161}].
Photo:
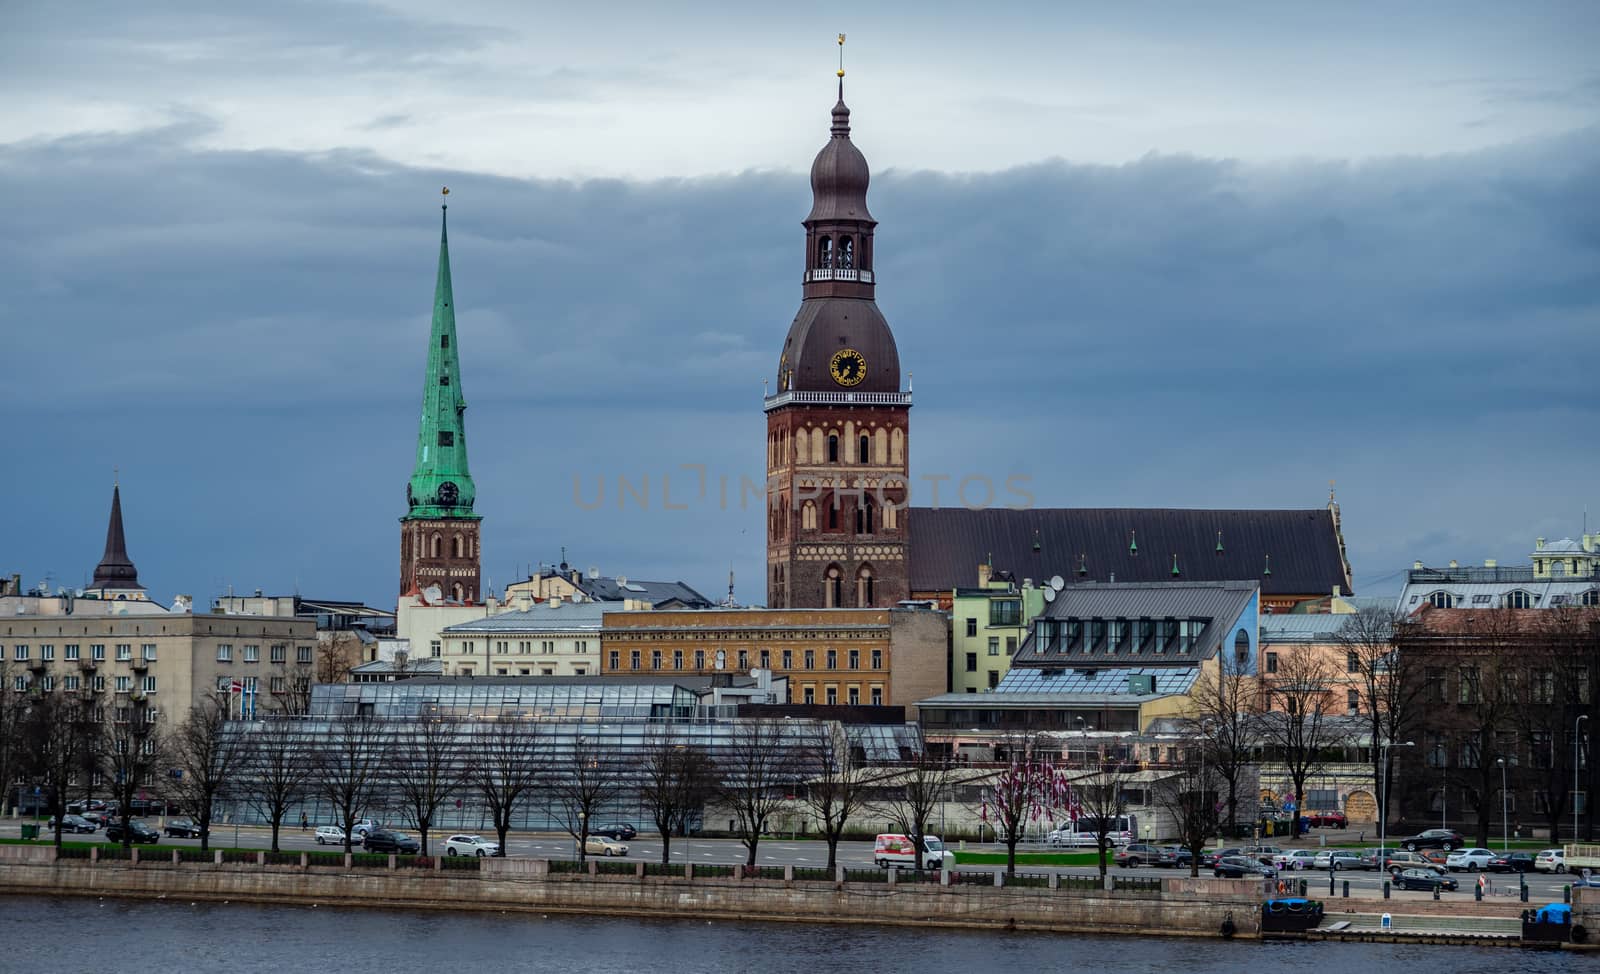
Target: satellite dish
[
  {"x": 1049, "y": 595},
  {"x": 433, "y": 594},
  {"x": 1057, "y": 583}
]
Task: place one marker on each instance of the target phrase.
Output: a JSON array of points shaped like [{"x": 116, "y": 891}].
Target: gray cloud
[{"x": 242, "y": 332}]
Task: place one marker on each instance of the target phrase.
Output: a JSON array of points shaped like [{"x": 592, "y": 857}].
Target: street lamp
[
  {"x": 1383, "y": 798},
  {"x": 1505, "y": 826},
  {"x": 1575, "y": 738}
]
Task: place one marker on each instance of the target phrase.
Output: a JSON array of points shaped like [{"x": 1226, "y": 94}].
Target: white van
[{"x": 896, "y": 850}]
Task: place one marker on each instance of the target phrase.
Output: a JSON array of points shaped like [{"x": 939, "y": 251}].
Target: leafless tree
[
  {"x": 1101, "y": 799},
  {"x": 920, "y": 784},
  {"x": 1189, "y": 796},
  {"x": 348, "y": 768},
  {"x": 135, "y": 753},
  {"x": 839, "y": 787},
  {"x": 1028, "y": 787},
  {"x": 510, "y": 760},
  {"x": 13, "y": 707},
  {"x": 757, "y": 772},
  {"x": 1387, "y": 693},
  {"x": 585, "y": 778},
  {"x": 277, "y": 769},
  {"x": 207, "y": 756},
  {"x": 1222, "y": 709},
  {"x": 1300, "y": 722},
  {"x": 678, "y": 778},
  {"x": 52, "y": 738},
  {"x": 427, "y": 769}
]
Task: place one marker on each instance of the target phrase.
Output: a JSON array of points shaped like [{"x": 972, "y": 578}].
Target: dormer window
[
  {"x": 1097, "y": 635},
  {"x": 444, "y": 341},
  {"x": 444, "y": 380},
  {"x": 1441, "y": 600},
  {"x": 1074, "y": 633},
  {"x": 1519, "y": 600}
]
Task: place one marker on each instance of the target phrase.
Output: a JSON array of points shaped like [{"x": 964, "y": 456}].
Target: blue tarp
[{"x": 1555, "y": 913}]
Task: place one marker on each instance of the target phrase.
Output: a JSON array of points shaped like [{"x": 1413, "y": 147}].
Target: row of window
[
  {"x": 852, "y": 696},
  {"x": 502, "y": 647},
  {"x": 1518, "y": 599},
  {"x": 251, "y": 653},
  {"x": 1538, "y": 686},
  {"x": 852, "y": 659},
  {"x": 123, "y": 684},
  {"x": 249, "y": 684},
  {"x": 1116, "y": 635},
  {"x": 72, "y": 652},
  {"x": 1002, "y": 613},
  {"x": 1546, "y": 749},
  {"x": 881, "y": 446}
]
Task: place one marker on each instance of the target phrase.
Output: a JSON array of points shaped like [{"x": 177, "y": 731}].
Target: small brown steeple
[{"x": 116, "y": 570}]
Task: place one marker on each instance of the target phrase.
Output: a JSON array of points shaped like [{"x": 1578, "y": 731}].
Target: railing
[
  {"x": 866, "y": 876},
  {"x": 1136, "y": 884},
  {"x": 838, "y": 274},
  {"x": 839, "y": 398},
  {"x": 672, "y": 869},
  {"x": 815, "y": 874},
  {"x": 1030, "y": 880},
  {"x": 1471, "y": 574},
  {"x": 1079, "y": 881},
  {"x": 469, "y": 864},
  {"x": 605, "y": 867}
]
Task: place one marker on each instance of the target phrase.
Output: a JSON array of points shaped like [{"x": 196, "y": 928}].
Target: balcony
[
  {"x": 140, "y": 665},
  {"x": 85, "y": 663},
  {"x": 838, "y": 274},
  {"x": 36, "y": 665},
  {"x": 791, "y": 397}
]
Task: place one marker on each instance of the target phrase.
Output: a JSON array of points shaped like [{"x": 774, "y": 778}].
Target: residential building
[
  {"x": 988, "y": 624},
  {"x": 852, "y": 657},
  {"x": 1558, "y": 574},
  {"x": 550, "y": 638},
  {"x": 566, "y": 582}
]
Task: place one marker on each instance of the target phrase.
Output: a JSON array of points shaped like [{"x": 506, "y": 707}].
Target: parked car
[
  {"x": 1397, "y": 861},
  {"x": 1374, "y": 858},
  {"x": 1173, "y": 857},
  {"x": 362, "y": 827},
  {"x": 1511, "y": 862},
  {"x": 1241, "y": 867},
  {"x": 1471, "y": 860},
  {"x": 470, "y": 845},
  {"x": 138, "y": 830},
  {"x": 1422, "y": 879},
  {"x": 72, "y": 823},
  {"x": 1337, "y": 859},
  {"x": 1209, "y": 859},
  {"x": 600, "y": 845},
  {"x": 617, "y": 830},
  {"x": 1551, "y": 861},
  {"x": 183, "y": 828},
  {"x": 1438, "y": 857},
  {"x": 384, "y": 840},
  {"x": 330, "y": 835},
  {"x": 100, "y": 818},
  {"x": 1138, "y": 854},
  {"x": 82, "y": 805},
  {"x": 1295, "y": 859},
  {"x": 1445, "y": 839},
  {"x": 1263, "y": 853},
  {"x": 1327, "y": 820}
]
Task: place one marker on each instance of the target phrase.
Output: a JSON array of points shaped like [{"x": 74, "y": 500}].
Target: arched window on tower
[
  {"x": 833, "y": 588},
  {"x": 897, "y": 447},
  {"x": 458, "y": 593},
  {"x": 833, "y": 514},
  {"x": 434, "y": 544},
  {"x": 864, "y": 593},
  {"x": 1241, "y": 651},
  {"x": 457, "y": 547},
  {"x": 847, "y": 252},
  {"x": 808, "y": 516},
  {"x": 864, "y": 516},
  {"x": 865, "y": 449},
  {"x": 824, "y": 251},
  {"x": 833, "y": 447}
]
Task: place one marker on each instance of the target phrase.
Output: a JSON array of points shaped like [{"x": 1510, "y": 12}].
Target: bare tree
[
  {"x": 922, "y": 783},
  {"x": 1222, "y": 709},
  {"x": 206, "y": 755},
  {"x": 427, "y": 770},
  {"x": 1386, "y": 691},
  {"x": 1027, "y": 788},
  {"x": 678, "y": 778},
  {"x": 509, "y": 762},
  {"x": 1189, "y": 797},
  {"x": 13, "y": 756},
  {"x": 1100, "y": 798},
  {"x": 135, "y": 752},
  {"x": 839, "y": 787},
  {"x": 584, "y": 780},
  {"x": 348, "y": 766},
  {"x": 757, "y": 771},
  {"x": 1300, "y": 722},
  {"x": 52, "y": 737},
  {"x": 277, "y": 768}
]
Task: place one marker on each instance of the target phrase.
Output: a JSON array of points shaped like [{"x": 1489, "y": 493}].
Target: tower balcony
[
  {"x": 792, "y": 397},
  {"x": 838, "y": 274}
]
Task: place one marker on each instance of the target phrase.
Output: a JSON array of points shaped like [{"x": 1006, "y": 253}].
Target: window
[
  {"x": 69, "y": 682},
  {"x": 834, "y": 582},
  {"x": 444, "y": 341},
  {"x": 21, "y": 653},
  {"x": 1468, "y": 691},
  {"x": 788, "y": 659},
  {"x": 677, "y": 659},
  {"x": 766, "y": 659},
  {"x": 877, "y": 696},
  {"x": 833, "y": 454},
  {"x": 280, "y": 652},
  {"x": 811, "y": 659},
  {"x": 832, "y": 656},
  {"x": 224, "y": 652},
  {"x": 1352, "y": 663},
  {"x": 833, "y": 516},
  {"x": 302, "y": 654},
  {"x": 994, "y": 679},
  {"x": 47, "y": 652},
  {"x": 1005, "y": 612},
  {"x": 124, "y": 652},
  {"x": 744, "y": 659},
  {"x": 864, "y": 451},
  {"x": 124, "y": 684},
  {"x": 877, "y": 659},
  {"x": 633, "y": 660},
  {"x": 833, "y": 696},
  {"x": 278, "y": 684},
  {"x": 972, "y": 662},
  {"x": 847, "y": 252},
  {"x": 1437, "y": 751},
  {"x": 444, "y": 380},
  {"x": 809, "y": 695},
  {"x": 435, "y": 649},
  {"x": 1011, "y": 645},
  {"x": 1272, "y": 662},
  {"x": 994, "y": 645},
  {"x": 699, "y": 659},
  {"x": 825, "y": 252},
  {"x": 1469, "y": 753},
  {"x": 972, "y": 628},
  {"x": 655, "y": 659},
  {"x": 615, "y": 659},
  {"x": 20, "y": 684},
  {"x": 447, "y": 438},
  {"x": 1505, "y": 746},
  {"x": 1441, "y": 600},
  {"x": 47, "y": 683},
  {"x": 864, "y": 516},
  {"x": 1433, "y": 686},
  {"x": 99, "y": 684},
  {"x": 252, "y": 654},
  {"x": 149, "y": 684},
  {"x": 855, "y": 659},
  {"x": 1542, "y": 686},
  {"x": 1352, "y": 701},
  {"x": 98, "y": 651},
  {"x": 1520, "y": 600},
  {"x": 1541, "y": 750},
  {"x": 854, "y": 696}
]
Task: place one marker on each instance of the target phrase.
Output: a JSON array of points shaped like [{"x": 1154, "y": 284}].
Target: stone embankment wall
[{"x": 1169, "y": 906}]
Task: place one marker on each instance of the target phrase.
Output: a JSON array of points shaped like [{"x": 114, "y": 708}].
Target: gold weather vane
[{"x": 841, "y": 55}]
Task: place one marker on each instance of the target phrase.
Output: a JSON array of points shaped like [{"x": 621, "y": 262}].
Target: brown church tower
[{"x": 838, "y": 425}]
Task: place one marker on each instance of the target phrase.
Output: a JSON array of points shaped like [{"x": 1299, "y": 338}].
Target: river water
[{"x": 47, "y": 935}]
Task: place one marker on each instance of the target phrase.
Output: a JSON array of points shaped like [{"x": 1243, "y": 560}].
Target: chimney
[
  {"x": 1336, "y": 591},
  {"x": 1490, "y": 563},
  {"x": 984, "y": 571},
  {"x": 1453, "y": 563},
  {"x": 1417, "y": 565},
  {"x": 1538, "y": 543},
  {"x": 554, "y": 601}
]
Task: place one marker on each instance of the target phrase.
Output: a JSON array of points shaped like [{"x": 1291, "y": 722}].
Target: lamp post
[
  {"x": 1505, "y": 826},
  {"x": 1576, "y": 725},
  {"x": 1383, "y": 799}
]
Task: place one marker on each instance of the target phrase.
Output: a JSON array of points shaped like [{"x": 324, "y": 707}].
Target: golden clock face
[{"x": 848, "y": 367}]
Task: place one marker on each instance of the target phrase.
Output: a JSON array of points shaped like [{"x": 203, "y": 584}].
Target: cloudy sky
[{"x": 1150, "y": 257}]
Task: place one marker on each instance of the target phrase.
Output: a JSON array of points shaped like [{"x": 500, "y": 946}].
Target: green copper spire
[{"x": 440, "y": 485}]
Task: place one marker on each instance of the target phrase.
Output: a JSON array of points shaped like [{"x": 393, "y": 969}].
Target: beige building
[{"x": 550, "y": 638}]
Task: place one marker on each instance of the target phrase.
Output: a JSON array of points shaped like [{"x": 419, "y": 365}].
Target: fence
[
  {"x": 1080, "y": 881},
  {"x": 1136, "y": 884},
  {"x": 866, "y": 876},
  {"x": 672, "y": 869}
]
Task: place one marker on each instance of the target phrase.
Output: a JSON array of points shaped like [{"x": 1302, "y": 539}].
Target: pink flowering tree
[{"x": 1028, "y": 788}]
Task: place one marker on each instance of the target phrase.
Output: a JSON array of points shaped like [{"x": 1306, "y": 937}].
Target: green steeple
[{"x": 440, "y": 485}]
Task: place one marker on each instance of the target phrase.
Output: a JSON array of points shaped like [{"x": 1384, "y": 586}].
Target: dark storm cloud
[{"x": 242, "y": 333}]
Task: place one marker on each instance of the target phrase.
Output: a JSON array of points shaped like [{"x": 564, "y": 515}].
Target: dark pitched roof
[
  {"x": 656, "y": 593},
  {"x": 1305, "y": 548},
  {"x": 116, "y": 568},
  {"x": 1218, "y": 603}
]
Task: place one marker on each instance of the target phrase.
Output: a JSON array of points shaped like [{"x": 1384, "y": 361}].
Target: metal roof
[
  {"x": 1322, "y": 628},
  {"x": 1304, "y": 548},
  {"x": 543, "y": 617},
  {"x": 1219, "y": 604}
]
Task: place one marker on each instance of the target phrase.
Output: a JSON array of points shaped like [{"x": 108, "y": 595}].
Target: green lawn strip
[{"x": 1030, "y": 858}]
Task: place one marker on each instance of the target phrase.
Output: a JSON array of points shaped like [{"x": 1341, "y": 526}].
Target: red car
[{"x": 1328, "y": 820}]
